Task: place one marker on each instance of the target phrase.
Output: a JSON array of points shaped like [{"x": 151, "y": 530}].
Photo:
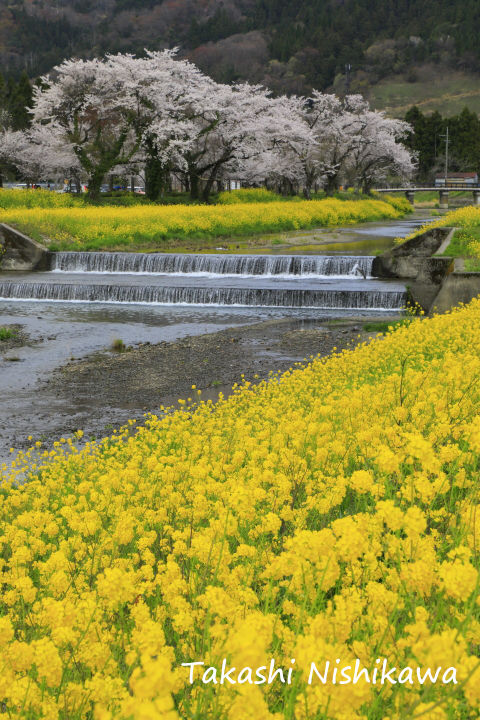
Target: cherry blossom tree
[
  {"x": 159, "y": 92},
  {"x": 230, "y": 125},
  {"x": 335, "y": 125},
  {"x": 271, "y": 152},
  {"x": 84, "y": 103},
  {"x": 5, "y": 123},
  {"x": 40, "y": 154},
  {"x": 379, "y": 151},
  {"x": 162, "y": 114},
  {"x": 351, "y": 140}
]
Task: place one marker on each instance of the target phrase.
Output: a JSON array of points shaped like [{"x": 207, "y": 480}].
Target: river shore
[
  {"x": 65, "y": 377},
  {"x": 102, "y": 391}
]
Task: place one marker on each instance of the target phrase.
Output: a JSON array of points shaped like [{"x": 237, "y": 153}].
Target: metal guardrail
[{"x": 436, "y": 188}]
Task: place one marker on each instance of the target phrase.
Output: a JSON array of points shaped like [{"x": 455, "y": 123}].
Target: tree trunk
[
  {"x": 209, "y": 184},
  {"x": 366, "y": 186},
  {"x": 331, "y": 186},
  {"x": 194, "y": 186},
  {"x": 94, "y": 184},
  {"x": 155, "y": 174},
  {"x": 78, "y": 184}
]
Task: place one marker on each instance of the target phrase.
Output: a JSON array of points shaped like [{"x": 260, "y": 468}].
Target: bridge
[{"x": 443, "y": 192}]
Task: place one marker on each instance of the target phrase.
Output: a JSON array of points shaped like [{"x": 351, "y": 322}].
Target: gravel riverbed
[
  {"x": 108, "y": 388},
  {"x": 103, "y": 390}
]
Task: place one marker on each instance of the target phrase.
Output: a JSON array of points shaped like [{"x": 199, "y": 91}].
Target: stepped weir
[
  {"x": 161, "y": 263},
  {"x": 264, "y": 297},
  {"x": 289, "y": 281}
]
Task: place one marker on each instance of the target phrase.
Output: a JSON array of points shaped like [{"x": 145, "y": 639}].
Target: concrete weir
[
  {"x": 437, "y": 283},
  {"x": 434, "y": 281},
  {"x": 275, "y": 281}
]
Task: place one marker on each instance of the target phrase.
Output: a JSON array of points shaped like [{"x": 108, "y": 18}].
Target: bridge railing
[
  {"x": 458, "y": 186},
  {"x": 437, "y": 188}
]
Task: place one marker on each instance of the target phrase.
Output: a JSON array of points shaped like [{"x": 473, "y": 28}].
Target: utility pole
[
  {"x": 447, "y": 141},
  {"x": 348, "y": 69}
]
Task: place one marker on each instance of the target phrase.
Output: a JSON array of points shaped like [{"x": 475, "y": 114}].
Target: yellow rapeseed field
[
  {"x": 332, "y": 513},
  {"x": 89, "y": 227}
]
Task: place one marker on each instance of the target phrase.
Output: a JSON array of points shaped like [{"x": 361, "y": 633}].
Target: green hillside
[
  {"x": 399, "y": 52},
  {"x": 447, "y": 92}
]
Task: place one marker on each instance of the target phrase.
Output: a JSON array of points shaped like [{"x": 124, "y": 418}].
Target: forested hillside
[{"x": 290, "y": 45}]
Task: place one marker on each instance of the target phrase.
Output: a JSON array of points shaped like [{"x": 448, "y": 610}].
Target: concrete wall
[
  {"x": 412, "y": 261},
  {"x": 433, "y": 282},
  {"x": 458, "y": 287},
  {"x": 19, "y": 252},
  {"x": 424, "y": 245}
]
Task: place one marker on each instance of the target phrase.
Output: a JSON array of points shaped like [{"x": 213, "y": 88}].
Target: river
[{"x": 167, "y": 305}]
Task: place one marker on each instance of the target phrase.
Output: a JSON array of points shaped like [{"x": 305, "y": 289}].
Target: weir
[
  {"x": 290, "y": 297},
  {"x": 289, "y": 281},
  {"x": 247, "y": 265}
]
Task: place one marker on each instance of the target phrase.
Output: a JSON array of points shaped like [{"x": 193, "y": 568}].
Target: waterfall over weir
[
  {"x": 291, "y": 297},
  {"x": 289, "y": 281},
  {"x": 249, "y": 265}
]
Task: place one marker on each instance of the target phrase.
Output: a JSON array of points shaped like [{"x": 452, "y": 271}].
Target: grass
[
  {"x": 430, "y": 198},
  {"x": 465, "y": 242},
  {"x": 252, "y": 195},
  {"x": 383, "y": 327},
  {"x": 118, "y": 345},
  {"x": 472, "y": 265},
  {"x": 7, "y": 333},
  {"x": 460, "y": 243},
  {"x": 436, "y": 89}
]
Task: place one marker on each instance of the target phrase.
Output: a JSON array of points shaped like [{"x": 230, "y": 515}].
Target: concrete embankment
[
  {"x": 19, "y": 252},
  {"x": 458, "y": 287},
  {"x": 437, "y": 283}
]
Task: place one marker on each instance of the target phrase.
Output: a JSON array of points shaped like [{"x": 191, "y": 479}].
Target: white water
[
  {"x": 282, "y": 266},
  {"x": 281, "y": 281},
  {"x": 240, "y": 297}
]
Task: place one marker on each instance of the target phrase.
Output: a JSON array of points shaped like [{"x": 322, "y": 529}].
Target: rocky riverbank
[{"x": 106, "y": 389}]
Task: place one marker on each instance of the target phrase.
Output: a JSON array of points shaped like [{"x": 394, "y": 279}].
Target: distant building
[{"x": 456, "y": 179}]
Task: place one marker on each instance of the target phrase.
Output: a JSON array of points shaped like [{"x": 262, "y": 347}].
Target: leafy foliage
[
  {"x": 312, "y": 39},
  {"x": 343, "y": 32},
  {"x": 428, "y": 141},
  {"x": 248, "y": 195},
  {"x": 15, "y": 101}
]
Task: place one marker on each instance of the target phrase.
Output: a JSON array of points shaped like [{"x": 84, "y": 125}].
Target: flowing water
[
  {"x": 324, "y": 282},
  {"x": 301, "y": 291},
  {"x": 89, "y": 299},
  {"x": 211, "y": 265}
]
